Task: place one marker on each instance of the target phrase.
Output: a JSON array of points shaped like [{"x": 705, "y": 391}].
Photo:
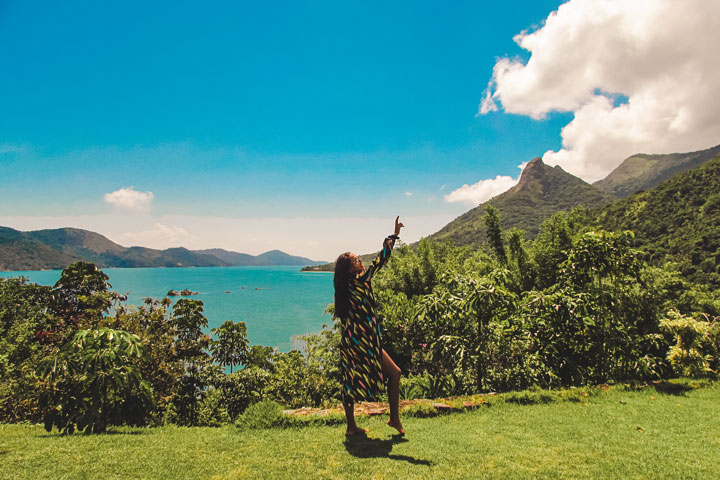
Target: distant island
[{"x": 55, "y": 249}]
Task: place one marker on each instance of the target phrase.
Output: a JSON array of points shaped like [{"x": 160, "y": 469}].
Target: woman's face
[{"x": 357, "y": 266}]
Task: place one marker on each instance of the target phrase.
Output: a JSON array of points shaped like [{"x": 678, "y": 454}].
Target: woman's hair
[{"x": 342, "y": 278}]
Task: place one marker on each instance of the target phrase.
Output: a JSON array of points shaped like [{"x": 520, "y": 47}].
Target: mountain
[
  {"x": 172, "y": 257},
  {"x": 58, "y": 248},
  {"x": 76, "y": 243},
  {"x": 231, "y": 258},
  {"x": 273, "y": 257},
  {"x": 678, "y": 219},
  {"x": 643, "y": 172},
  {"x": 541, "y": 191},
  {"x": 18, "y": 252},
  {"x": 276, "y": 257}
]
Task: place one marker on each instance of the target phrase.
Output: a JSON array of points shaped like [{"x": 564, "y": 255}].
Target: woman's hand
[{"x": 398, "y": 225}]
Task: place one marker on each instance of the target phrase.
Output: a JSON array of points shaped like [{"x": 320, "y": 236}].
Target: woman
[{"x": 364, "y": 363}]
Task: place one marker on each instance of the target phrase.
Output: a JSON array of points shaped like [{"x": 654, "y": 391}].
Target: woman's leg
[
  {"x": 352, "y": 427},
  {"x": 392, "y": 372}
]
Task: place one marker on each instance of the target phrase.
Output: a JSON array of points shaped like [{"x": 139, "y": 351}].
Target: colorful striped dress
[{"x": 361, "y": 342}]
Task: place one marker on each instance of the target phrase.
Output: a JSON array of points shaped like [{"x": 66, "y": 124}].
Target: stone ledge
[{"x": 382, "y": 408}]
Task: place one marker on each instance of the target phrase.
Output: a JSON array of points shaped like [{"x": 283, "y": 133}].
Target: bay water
[{"x": 276, "y": 303}]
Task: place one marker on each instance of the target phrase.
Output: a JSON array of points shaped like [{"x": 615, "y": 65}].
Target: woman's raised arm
[{"x": 384, "y": 255}]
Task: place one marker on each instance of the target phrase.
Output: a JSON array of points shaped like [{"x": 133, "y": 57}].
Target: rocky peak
[{"x": 532, "y": 173}]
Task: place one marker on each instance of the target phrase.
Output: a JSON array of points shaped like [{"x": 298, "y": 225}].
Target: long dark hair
[{"x": 342, "y": 278}]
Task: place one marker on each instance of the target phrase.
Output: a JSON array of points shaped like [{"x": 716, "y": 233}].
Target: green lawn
[{"x": 619, "y": 433}]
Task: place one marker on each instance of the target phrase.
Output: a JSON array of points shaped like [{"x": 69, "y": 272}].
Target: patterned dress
[{"x": 361, "y": 342}]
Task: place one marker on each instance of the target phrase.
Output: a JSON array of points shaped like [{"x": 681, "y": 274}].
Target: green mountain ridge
[
  {"x": 541, "y": 192},
  {"x": 52, "y": 249},
  {"x": 643, "y": 172}
]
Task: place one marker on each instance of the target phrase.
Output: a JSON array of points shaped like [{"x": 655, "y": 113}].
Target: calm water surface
[{"x": 276, "y": 303}]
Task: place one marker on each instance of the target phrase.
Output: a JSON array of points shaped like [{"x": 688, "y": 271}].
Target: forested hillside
[
  {"x": 18, "y": 252},
  {"x": 679, "y": 220}
]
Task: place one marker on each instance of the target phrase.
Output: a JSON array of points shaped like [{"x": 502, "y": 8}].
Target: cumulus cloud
[
  {"x": 408, "y": 194},
  {"x": 130, "y": 199},
  {"x": 484, "y": 190},
  {"x": 660, "y": 55},
  {"x": 160, "y": 236}
]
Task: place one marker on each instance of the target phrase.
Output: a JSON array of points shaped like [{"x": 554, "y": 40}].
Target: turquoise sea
[{"x": 276, "y": 303}]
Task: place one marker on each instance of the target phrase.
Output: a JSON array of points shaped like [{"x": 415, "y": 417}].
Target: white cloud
[
  {"x": 484, "y": 190},
  {"x": 408, "y": 194},
  {"x": 488, "y": 104},
  {"x": 660, "y": 54},
  {"x": 160, "y": 236},
  {"x": 130, "y": 199}
]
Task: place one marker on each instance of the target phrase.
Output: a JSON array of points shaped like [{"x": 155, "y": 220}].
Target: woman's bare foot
[
  {"x": 397, "y": 426},
  {"x": 353, "y": 431}
]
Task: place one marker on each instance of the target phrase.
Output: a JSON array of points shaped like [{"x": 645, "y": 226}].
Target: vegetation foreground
[{"x": 669, "y": 430}]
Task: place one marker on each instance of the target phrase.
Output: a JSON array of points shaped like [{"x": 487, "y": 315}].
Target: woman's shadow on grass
[{"x": 360, "y": 446}]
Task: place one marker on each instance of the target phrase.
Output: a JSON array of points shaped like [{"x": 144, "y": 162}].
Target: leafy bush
[
  {"x": 89, "y": 380},
  {"x": 25, "y": 331},
  {"x": 426, "y": 386},
  {"x": 269, "y": 414},
  {"x": 243, "y": 388},
  {"x": 212, "y": 411},
  {"x": 696, "y": 352},
  {"x": 410, "y": 389},
  {"x": 264, "y": 414}
]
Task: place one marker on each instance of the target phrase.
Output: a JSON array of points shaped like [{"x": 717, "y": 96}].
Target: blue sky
[{"x": 288, "y": 113}]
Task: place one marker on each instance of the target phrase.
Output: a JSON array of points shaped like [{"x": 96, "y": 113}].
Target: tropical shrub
[
  {"x": 264, "y": 414},
  {"x": 243, "y": 388},
  {"x": 25, "y": 326},
  {"x": 231, "y": 346},
  {"x": 212, "y": 411},
  {"x": 696, "y": 352},
  {"x": 89, "y": 382}
]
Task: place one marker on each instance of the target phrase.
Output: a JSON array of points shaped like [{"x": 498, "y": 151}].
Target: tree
[
  {"x": 486, "y": 299},
  {"x": 494, "y": 234},
  {"x": 83, "y": 295},
  {"x": 551, "y": 246},
  {"x": 153, "y": 324},
  {"x": 188, "y": 322},
  {"x": 520, "y": 259},
  {"x": 603, "y": 265},
  {"x": 231, "y": 346},
  {"x": 26, "y": 326},
  {"x": 89, "y": 379}
]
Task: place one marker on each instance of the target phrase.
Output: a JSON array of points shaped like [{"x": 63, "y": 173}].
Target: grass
[{"x": 664, "y": 432}]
